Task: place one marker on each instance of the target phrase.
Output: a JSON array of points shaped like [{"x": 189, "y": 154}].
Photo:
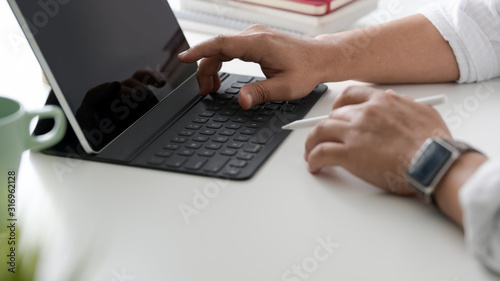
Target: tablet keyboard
[{"x": 218, "y": 138}]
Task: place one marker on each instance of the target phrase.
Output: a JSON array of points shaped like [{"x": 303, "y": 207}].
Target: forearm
[
  {"x": 446, "y": 194},
  {"x": 409, "y": 50}
]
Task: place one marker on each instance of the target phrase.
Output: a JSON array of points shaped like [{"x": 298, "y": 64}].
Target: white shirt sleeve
[
  {"x": 472, "y": 27},
  {"x": 480, "y": 201}
]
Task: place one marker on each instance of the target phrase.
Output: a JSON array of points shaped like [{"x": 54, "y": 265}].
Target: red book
[{"x": 307, "y": 7}]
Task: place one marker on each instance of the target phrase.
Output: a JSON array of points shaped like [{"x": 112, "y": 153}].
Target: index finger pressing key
[{"x": 228, "y": 46}]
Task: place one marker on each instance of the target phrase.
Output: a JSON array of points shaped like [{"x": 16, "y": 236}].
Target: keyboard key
[
  {"x": 193, "y": 126},
  {"x": 200, "y": 138},
  {"x": 228, "y": 152},
  {"x": 227, "y": 112},
  {"x": 238, "y": 85},
  {"x": 271, "y": 106},
  {"x": 235, "y": 144},
  {"x": 215, "y": 164},
  {"x": 176, "y": 161},
  {"x": 179, "y": 140},
  {"x": 232, "y": 171},
  {"x": 245, "y": 156},
  {"x": 238, "y": 163},
  {"x": 207, "y": 114},
  {"x": 278, "y": 102},
  {"x": 220, "y": 139},
  {"x": 223, "y": 75},
  {"x": 226, "y": 132},
  {"x": 220, "y": 119},
  {"x": 241, "y": 138},
  {"x": 223, "y": 96},
  {"x": 260, "y": 118},
  {"x": 186, "y": 152},
  {"x": 200, "y": 120},
  {"x": 288, "y": 107},
  {"x": 186, "y": 133},
  {"x": 207, "y": 132},
  {"x": 295, "y": 102},
  {"x": 239, "y": 119},
  {"x": 252, "y": 148},
  {"x": 247, "y": 131},
  {"x": 193, "y": 145},
  {"x": 234, "y": 106},
  {"x": 266, "y": 112},
  {"x": 164, "y": 153},
  {"x": 233, "y": 126},
  {"x": 261, "y": 138},
  {"x": 195, "y": 163},
  {"x": 171, "y": 146},
  {"x": 213, "y": 146},
  {"x": 245, "y": 79},
  {"x": 156, "y": 161},
  {"x": 254, "y": 125},
  {"x": 206, "y": 153},
  {"x": 214, "y": 125},
  {"x": 245, "y": 113},
  {"x": 212, "y": 107},
  {"x": 232, "y": 91},
  {"x": 221, "y": 102}
]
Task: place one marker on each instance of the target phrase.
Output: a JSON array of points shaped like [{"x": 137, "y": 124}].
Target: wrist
[
  {"x": 447, "y": 190},
  {"x": 332, "y": 62}
]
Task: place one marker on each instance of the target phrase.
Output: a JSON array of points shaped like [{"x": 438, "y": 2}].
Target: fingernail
[
  {"x": 183, "y": 53},
  {"x": 250, "y": 99}
]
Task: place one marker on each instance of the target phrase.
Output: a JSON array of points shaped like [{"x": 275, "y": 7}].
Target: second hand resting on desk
[{"x": 310, "y": 122}]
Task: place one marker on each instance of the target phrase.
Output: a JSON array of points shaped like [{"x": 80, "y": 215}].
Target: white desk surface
[{"x": 113, "y": 222}]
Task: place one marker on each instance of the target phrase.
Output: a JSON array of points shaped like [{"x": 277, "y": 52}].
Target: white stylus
[{"x": 306, "y": 123}]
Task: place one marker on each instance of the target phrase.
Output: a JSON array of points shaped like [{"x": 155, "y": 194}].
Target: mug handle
[{"x": 57, "y": 132}]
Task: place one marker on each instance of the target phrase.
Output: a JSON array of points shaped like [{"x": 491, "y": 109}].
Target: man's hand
[
  {"x": 374, "y": 134},
  {"x": 292, "y": 64}
]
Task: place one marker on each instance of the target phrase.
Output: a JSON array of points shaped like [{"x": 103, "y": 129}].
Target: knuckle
[
  {"x": 257, "y": 27},
  {"x": 371, "y": 110},
  {"x": 321, "y": 127},
  {"x": 315, "y": 155},
  {"x": 220, "y": 38},
  {"x": 349, "y": 89},
  {"x": 263, "y": 36},
  {"x": 321, "y": 150},
  {"x": 340, "y": 96}
]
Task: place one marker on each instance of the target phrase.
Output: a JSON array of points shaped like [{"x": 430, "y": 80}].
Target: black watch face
[{"x": 429, "y": 163}]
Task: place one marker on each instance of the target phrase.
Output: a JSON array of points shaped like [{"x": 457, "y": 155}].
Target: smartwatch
[{"x": 431, "y": 163}]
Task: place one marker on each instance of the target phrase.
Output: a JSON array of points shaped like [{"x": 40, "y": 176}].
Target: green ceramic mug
[{"x": 15, "y": 138}]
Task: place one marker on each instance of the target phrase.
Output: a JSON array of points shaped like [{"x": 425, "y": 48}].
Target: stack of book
[{"x": 303, "y": 17}]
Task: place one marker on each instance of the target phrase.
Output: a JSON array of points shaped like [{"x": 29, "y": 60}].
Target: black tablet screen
[{"x": 113, "y": 59}]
